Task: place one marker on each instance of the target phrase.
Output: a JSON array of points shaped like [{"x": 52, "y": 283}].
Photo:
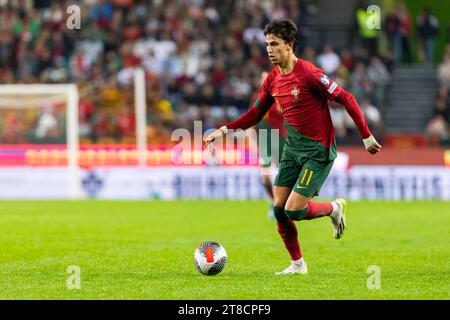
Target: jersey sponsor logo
[
  {"x": 324, "y": 79},
  {"x": 295, "y": 92},
  {"x": 332, "y": 88}
]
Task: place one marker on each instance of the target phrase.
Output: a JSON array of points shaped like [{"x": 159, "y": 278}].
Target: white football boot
[
  {"x": 296, "y": 267},
  {"x": 338, "y": 217}
]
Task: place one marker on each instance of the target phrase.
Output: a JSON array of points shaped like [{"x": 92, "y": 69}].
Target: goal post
[
  {"x": 61, "y": 92},
  {"x": 140, "y": 116},
  {"x": 55, "y": 128}
]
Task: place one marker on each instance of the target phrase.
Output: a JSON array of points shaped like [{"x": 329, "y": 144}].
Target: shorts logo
[
  {"x": 295, "y": 92},
  {"x": 324, "y": 79}
]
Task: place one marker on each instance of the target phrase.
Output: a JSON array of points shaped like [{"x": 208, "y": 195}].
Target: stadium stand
[{"x": 192, "y": 52}]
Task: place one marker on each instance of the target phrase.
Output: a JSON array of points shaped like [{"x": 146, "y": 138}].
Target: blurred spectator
[
  {"x": 373, "y": 117},
  {"x": 47, "y": 124},
  {"x": 402, "y": 45},
  {"x": 328, "y": 60},
  {"x": 309, "y": 54},
  {"x": 442, "y": 106},
  {"x": 437, "y": 130},
  {"x": 357, "y": 81},
  {"x": 254, "y": 33},
  {"x": 438, "y": 127},
  {"x": 102, "y": 13},
  {"x": 347, "y": 59},
  {"x": 391, "y": 27},
  {"x": 339, "y": 122},
  {"x": 377, "y": 72},
  {"x": 346, "y": 132},
  {"x": 368, "y": 32},
  {"x": 444, "y": 69},
  {"x": 379, "y": 75},
  {"x": 427, "y": 30}
]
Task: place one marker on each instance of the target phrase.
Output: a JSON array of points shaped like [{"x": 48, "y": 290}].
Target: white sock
[
  {"x": 298, "y": 262},
  {"x": 335, "y": 208}
]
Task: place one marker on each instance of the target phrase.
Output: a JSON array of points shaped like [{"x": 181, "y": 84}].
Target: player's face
[{"x": 277, "y": 49}]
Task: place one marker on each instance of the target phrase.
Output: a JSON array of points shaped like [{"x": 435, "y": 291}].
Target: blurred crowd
[
  {"x": 367, "y": 77},
  {"x": 438, "y": 128},
  {"x": 202, "y": 59}
]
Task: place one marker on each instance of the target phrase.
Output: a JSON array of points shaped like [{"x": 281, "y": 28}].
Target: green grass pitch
[{"x": 144, "y": 250}]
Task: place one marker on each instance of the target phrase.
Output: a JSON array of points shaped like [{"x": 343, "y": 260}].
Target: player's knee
[
  {"x": 296, "y": 215},
  {"x": 280, "y": 197},
  {"x": 280, "y": 214},
  {"x": 279, "y": 201},
  {"x": 296, "y": 205}
]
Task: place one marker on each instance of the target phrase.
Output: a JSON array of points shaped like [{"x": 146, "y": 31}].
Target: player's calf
[
  {"x": 296, "y": 215},
  {"x": 313, "y": 210}
]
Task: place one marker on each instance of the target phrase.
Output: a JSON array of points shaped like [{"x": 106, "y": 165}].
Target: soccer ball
[{"x": 210, "y": 258}]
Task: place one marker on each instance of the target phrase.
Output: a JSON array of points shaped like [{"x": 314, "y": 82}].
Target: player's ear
[{"x": 290, "y": 46}]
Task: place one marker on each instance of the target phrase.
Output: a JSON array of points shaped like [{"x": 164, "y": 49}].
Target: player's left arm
[
  {"x": 348, "y": 101},
  {"x": 330, "y": 89}
]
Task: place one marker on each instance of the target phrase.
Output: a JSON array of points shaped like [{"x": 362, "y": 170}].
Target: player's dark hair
[{"x": 284, "y": 29}]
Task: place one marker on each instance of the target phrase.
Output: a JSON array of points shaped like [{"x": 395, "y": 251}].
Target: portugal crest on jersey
[{"x": 295, "y": 92}]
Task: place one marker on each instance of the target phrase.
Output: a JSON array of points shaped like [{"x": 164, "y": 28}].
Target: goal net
[
  {"x": 44, "y": 149},
  {"x": 35, "y": 117}
]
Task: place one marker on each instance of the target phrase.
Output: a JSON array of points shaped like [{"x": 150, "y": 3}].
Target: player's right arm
[{"x": 248, "y": 119}]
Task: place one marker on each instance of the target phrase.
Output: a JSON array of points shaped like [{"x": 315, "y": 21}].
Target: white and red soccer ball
[{"x": 210, "y": 258}]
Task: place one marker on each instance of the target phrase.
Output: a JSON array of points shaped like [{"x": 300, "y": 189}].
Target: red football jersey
[
  {"x": 303, "y": 97},
  {"x": 275, "y": 120}
]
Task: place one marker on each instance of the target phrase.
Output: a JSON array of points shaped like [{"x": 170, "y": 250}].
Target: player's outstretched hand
[
  {"x": 207, "y": 142},
  {"x": 371, "y": 144}
]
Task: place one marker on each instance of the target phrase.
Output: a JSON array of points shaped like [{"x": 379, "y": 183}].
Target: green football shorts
[{"x": 303, "y": 175}]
